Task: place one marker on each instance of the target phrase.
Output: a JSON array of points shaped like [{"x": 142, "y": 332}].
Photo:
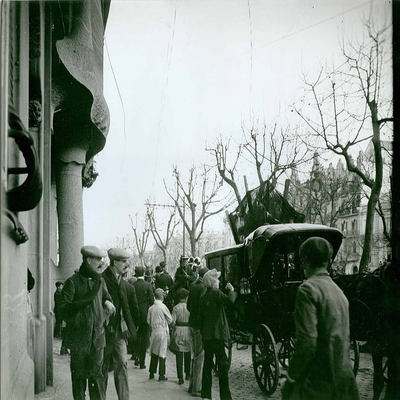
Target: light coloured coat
[
  {"x": 182, "y": 334},
  {"x": 321, "y": 364},
  {"x": 158, "y": 318}
]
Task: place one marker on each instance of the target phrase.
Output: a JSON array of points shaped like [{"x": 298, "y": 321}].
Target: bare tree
[
  {"x": 332, "y": 197},
  {"x": 341, "y": 113},
  {"x": 196, "y": 200},
  {"x": 140, "y": 238},
  {"x": 221, "y": 154},
  {"x": 272, "y": 150},
  {"x": 162, "y": 241}
]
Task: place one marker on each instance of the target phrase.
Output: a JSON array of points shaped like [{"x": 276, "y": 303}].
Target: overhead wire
[
  {"x": 170, "y": 48},
  {"x": 251, "y": 55}
]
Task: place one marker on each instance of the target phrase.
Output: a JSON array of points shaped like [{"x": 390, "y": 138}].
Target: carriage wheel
[
  {"x": 265, "y": 360},
  {"x": 355, "y": 355},
  {"x": 285, "y": 352}
]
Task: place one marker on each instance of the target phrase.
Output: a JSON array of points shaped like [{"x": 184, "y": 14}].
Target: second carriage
[{"x": 265, "y": 272}]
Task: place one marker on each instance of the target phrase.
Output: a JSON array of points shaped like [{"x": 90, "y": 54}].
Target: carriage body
[{"x": 265, "y": 272}]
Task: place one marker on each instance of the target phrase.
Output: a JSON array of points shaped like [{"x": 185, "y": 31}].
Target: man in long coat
[
  {"x": 320, "y": 368},
  {"x": 122, "y": 324},
  {"x": 81, "y": 305},
  {"x": 145, "y": 297},
  {"x": 197, "y": 289}
]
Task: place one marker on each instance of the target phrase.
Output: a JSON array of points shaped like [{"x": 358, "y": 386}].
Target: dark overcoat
[
  {"x": 164, "y": 280},
  {"x": 197, "y": 289},
  {"x": 123, "y": 297},
  {"x": 212, "y": 317},
  {"x": 145, "y": 298},
  {"x": 81, "y": 306}
]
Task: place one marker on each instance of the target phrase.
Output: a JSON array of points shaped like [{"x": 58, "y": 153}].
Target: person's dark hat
[
  {"x": 92, "y": 251},
  {"x": 118, "y": 254},
  {"x": 162, "y": 264},
  {"x": 190, "y": 259},
  {"x": 139, "y": 271},
  {"x": 159, "y": 268},
  {"x": 316, "y": 250},
  {"x": 202, "y": 271},
  {"x": 182, "y": 294},
  {"x": 59, "y": 283}
]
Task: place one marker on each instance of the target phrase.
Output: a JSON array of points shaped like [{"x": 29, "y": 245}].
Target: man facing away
[
  {"x": 81, "y": 305},
  {"x": 158, "y": 318},
  {"x": 197, "y": 289},
  {"x": 163, "y": 279},
  {"x": 320, "y": 368},
  {"x": 145, "y": 297},
  {"x": 122, "y": 324}
]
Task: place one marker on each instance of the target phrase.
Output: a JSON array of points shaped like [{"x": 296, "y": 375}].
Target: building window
[
  {"x": 355, "y": 269},
  {"x": 354, "y": 247}
]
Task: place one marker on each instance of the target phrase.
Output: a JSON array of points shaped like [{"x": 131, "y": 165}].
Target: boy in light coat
[{"x": 158, "y": 318}]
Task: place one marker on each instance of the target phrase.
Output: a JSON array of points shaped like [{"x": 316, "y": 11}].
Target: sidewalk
[{"x": 139, "y": 384}]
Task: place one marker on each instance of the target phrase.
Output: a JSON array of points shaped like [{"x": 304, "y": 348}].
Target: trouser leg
[
  {"x": 187, "y": 359},
  {"x": 222, "y": 362},
  {"x": 197, "y": 362},
  {"x": 207, "y": 378},
  {"x": 153, "y": 363},
  {"x": 143, "y": 337},
  {"x": 179, "y": 364},
  {"x": 121, "y": 372},
  {"x": 57, "y": 327},
  {"x": 162, "y": 367},
  {"x": 97, "y": 389},
  {"x": 77, "y": 364}
]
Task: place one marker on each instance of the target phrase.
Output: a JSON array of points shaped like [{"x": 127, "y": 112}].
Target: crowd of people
[
  {"x": 103, "y": 317},
  {"x": 108, "y": 316}
]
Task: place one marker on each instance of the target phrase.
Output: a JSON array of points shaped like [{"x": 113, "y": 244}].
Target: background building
[{"x": 334, "y": 196}]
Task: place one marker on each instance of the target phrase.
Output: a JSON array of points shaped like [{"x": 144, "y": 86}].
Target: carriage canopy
[{"x": 285, "y": 238}]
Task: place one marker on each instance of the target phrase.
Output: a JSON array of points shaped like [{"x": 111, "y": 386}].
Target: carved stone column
[{"x": 71, "y": 158}]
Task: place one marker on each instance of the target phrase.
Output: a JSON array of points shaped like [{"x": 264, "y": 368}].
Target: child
[
  {"x": 158, "y": 318},
  {"x": 182, "y": 335}
]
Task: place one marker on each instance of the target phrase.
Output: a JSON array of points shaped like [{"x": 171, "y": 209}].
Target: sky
[{"x": 179, "y": 73}]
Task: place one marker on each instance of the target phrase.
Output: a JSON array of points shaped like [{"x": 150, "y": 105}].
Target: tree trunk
[
  {"x": 375, "y": 189},
  {"x": 193, "y": 246}
]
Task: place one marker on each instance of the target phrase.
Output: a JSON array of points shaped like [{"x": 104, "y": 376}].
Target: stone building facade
[
  {"x": 53, "y": 120},
  {"x": 334, "y": 196}
]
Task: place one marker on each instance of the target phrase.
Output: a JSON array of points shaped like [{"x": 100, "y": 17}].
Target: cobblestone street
[{"x": 242, "y": 381}]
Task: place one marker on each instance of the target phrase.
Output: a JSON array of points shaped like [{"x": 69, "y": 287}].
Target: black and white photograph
[{"x": 199, "y": 200}]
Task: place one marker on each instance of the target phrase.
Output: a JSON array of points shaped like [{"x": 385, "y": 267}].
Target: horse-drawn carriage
[{"x": 265, "y": 272}]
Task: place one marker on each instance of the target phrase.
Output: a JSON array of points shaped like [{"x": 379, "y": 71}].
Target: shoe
[
  {"x": 181, "y": 381},
  {"x": 151, "y": 375},
  {"x": 162, "y": 378},
  {"x": 136, "y": 362},
  {"x": 142, "y": 366}
]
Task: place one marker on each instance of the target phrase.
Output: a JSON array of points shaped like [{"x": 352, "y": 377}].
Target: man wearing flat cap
[
  {"x": 84, "y": 300},
  {"x": 145, "y": 297},
  {"x": 122, "y": 324},
  {"x": 320, "y": 367}
]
